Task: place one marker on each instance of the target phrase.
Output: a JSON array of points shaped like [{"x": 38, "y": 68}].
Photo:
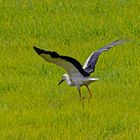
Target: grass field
[{"x": 32, "y": 106}]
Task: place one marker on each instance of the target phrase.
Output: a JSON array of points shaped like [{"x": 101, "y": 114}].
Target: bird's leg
[
  {"x": 89, "y": 92},
  {"x": 78, "y": 87}
]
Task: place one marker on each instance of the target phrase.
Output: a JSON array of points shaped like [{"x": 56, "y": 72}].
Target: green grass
[{"x": 32, "y": 106}]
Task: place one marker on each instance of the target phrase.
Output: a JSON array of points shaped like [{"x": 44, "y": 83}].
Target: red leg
[
  {"x": 84, "y": 97},
  {"x": 79, "y": 91},
  {"x": 89, "y": 92}
]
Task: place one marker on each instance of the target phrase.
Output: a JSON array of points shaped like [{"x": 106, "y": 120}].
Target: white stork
[{"x": 77, "y": 75}]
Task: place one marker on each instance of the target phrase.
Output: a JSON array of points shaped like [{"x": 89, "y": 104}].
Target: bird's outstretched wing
[
  {"x": 71, "y": 65},
  {"x": 90, "y": 63}
]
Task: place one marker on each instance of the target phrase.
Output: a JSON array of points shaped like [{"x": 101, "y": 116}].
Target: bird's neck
[{"x": 68, "y": 81}]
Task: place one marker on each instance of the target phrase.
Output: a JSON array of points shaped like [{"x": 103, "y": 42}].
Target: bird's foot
[{"x": 82, "y": 98}]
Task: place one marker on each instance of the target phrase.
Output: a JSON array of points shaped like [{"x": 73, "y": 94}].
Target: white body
[{"x": 78, "y": 80}]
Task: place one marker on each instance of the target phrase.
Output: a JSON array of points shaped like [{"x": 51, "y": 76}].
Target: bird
[{"x": 76, "y": 74}]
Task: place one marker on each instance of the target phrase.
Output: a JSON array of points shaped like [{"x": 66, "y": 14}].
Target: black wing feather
[{"x": 71, "y": 65}]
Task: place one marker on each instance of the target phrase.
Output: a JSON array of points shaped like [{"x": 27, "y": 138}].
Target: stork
[{"x": 76, "y": 74}]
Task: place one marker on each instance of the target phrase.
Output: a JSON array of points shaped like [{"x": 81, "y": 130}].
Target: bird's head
[{"x": 64, "y": 76}]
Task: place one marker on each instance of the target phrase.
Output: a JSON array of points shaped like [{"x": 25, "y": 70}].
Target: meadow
[{"x": 32, "y": 106}]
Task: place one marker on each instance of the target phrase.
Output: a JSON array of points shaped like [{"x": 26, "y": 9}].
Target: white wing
[{"x": 71, "y": 65}]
